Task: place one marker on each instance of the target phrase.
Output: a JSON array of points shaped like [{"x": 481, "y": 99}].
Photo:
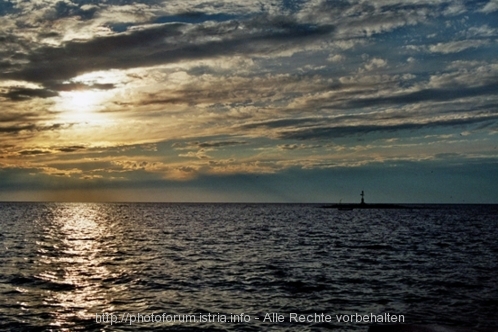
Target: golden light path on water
[{"x": 75, "y": 255}]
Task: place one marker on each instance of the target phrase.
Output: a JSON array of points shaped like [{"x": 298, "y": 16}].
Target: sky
[{"x": 249, "y": 101}]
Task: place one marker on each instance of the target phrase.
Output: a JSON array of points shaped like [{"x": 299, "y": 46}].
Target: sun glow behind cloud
[
  {"x": 81, "y": 101},
  {"x": 88, "y": 96}
]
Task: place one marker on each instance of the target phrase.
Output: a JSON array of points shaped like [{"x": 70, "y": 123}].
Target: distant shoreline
[
  {"x": 318, "y": 204},
  {"x": 352, "y": 206},
  {"x": 407, "y": 206}
]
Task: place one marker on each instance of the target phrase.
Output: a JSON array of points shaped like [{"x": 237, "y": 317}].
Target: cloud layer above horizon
[{"x": 232, "y": 100}]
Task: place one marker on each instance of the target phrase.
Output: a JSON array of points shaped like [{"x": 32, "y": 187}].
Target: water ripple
[{"x": 64, "y": 263}]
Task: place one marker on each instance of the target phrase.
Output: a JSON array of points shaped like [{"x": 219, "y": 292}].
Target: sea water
[{"x": 245, "y": 267}]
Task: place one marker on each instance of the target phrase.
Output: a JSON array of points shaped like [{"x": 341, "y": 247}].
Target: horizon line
[{"x": 242, "y": 202}]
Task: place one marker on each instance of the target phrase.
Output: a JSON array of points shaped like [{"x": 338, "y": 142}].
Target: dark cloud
[
  {"x": 63, "y": 9},
  {"x": 165, "y": 44},
  {"x": 447, "y": 155},
  {"x": 21, "y": 94},
  {"x": 101, "y": 53},
  {"x": 17, "y": 116},
  {"x": 207, "y": 144},
  {"x": 303, "y": 122},
  {"x": 194, "y": 18},
  {"x": 289, "y": 146},
  {"x": 72, "y": 148},
  {"x": 86, "y": 13},
  {"x": 217, "y": 144},
  {"x": 16, "y": 129},
  {"x": 51, "y": 34},
  {"x": 425, "y": 95},
  {"x": 324, "y": 132},
  {"x": 81, "y": 86},
  {"x": 34, "y": 152}
]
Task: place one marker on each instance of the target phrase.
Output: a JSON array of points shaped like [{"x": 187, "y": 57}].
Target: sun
[
  {"x": 82, "y": 101},
  {"x": 82, "y": 106}
]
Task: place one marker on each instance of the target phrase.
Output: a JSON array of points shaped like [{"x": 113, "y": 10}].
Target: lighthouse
[{"x": 362, "y": 197}]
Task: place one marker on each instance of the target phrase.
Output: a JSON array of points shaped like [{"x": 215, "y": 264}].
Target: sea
[{"x": 246, "y": 267}]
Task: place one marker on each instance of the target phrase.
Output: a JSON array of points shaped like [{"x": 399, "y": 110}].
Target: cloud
[
  {"x": 33, "y": 152},
  {"x": 201, "y": 154},
  {"x": 32, "y": 127},
  {"x": 490, "y": 7},
  {"x": 217, "y": 144},
  {"x": 454, "y": 9},
  {"x": 457, "y": 46},
  {"x": 297, "y": 146},
  {"x": 72, "y": 148},
  {"x": 375, "y": 63},
  {"x": 480, "y": 32},
  {"x": 432, "y": 94},
  {"x": 21, "y": 94},
  {"x": 335, "y": 58},
  {"x": 163, "y": 44},
  {"x": 328, "y": 131},
  {"x": 370, "y": 19},
  {"x": 206, "y": 144},
  {"x": 61, "y": 173},
  {"x": 82, "y": 87}
]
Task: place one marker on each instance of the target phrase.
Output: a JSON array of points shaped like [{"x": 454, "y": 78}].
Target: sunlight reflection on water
[{"x": 73, "y": 250}]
